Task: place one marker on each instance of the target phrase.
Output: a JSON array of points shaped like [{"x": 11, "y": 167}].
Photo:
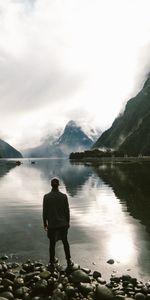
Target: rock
[
  {"x": 70, "y": 291},
  {"x": 101, "y": 280},
  {"x": 79, "y": 276},
  {"x": 9, "y": 275},
  {"x": 7, "y": 295},
  {"x": 85, "y": 288},
  {"x": 21, "y": 291},
  {"x": 2, "y": 298},
  {"x": 96, "y": 274},
  {"x": 29, "y": 276},
  {"x": 18, "y": 282},
  {"x": 103, "y": 293},
  {"x": 6, "y": 282},
  {"x": 45, "y": 274},
  {"x": 4, "y": 257},
  {"x": 139, "y": 296},
  {"x": 58, "y": 295},
  {"x": 40, "y": 287},
  {"x": 88, "y": 271},
  {"x": 110, "y": 261},
  {"x": 115, "y": 279},
  {"x": 126, "y": 277}
]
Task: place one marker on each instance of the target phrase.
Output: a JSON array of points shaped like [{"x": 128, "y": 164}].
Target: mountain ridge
[{"x": 129, "y": 132}]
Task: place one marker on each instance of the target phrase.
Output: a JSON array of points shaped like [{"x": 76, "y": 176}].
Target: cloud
[{"x": 62, "y": 60}]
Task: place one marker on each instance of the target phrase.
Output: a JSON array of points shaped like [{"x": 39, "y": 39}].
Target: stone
[
  {"x": 2, "y": 298},
  {"x": 4, "y": 257},
  {"x": 88, "y": 271},
  {"x": 70, "y": 291},
  {"x": 96, "y": 274},
  {"x": 101, "y": 280},
  {"x": 7, "y": 295},
  {"x": 103, "y": 293},
  {"x": 85, "y": 288},
  {"x": 139, "y": 296},
  {"x": 115, "y": 279},
  {"x": 45, "y": 274},
  {"x": 10, "y": 275},
  {"x": 79, "y": 276},
  {"x": 6, "y": 282},
  {"x": 29, "y": 276},
  {"x": 110, "y": 261},
  {"x": 18, "y": 282},
  {"x": 21, "y": 291}
]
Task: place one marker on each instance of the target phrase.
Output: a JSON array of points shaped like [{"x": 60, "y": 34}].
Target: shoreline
[{"x": 34, "y": 280}]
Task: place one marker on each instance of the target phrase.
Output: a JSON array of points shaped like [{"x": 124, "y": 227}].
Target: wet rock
[
  {"x": 85, "y": 288},
  {"x": 110, "y": 261},
  {"x": 21, "y": 291},
  {"x": 29, "y": 276},
  {"x": 4, "y": 257},
  {"x": 101, "y": 280},
  {"x": 96, "y": 274},
  {"x": 58, "y": 295},
  {"x": 70, "y": 291},
  {"x": 45, "y": 274},
  {"x": 103, "y": 293},
  {"x": 18, "y": 282},
  {"x": 88, "y": 271},
  {"x": 6, "y": 282},
  {"x": 9, "y": 275},
  {"x": 79, "y": 276},
  {"x": 40, "y": 287},
  {"x": 126, "y": 277},
  {"x": 115, "y": 279},
  {"x": 7, "y": 295},
  {"x": 1, "y": 268},
  {"x": 139, "y": 296},
  {"x": 2, "y": 288},
  {"x": 2, "y": 298}
]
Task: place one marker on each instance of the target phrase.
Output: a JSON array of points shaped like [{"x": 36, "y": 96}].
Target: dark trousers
[{"x": 55, "y": 234}]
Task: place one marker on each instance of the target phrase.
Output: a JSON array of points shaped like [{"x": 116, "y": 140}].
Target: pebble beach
[{"x": 33, "y": 280}]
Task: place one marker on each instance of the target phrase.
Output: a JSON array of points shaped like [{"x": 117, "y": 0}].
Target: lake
[{"x": 110, "y": 213}]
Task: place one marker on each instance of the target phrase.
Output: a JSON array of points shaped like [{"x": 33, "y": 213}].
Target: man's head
[{"x": 55, "y": 183}]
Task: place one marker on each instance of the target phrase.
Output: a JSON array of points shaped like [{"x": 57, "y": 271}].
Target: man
[{"x": 56, "y": 219}]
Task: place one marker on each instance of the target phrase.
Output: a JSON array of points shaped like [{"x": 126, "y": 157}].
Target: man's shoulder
[{"x": 63, "y": 195}]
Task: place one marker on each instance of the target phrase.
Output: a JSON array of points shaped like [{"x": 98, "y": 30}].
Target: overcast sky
[{"x": 69, "y": 59}]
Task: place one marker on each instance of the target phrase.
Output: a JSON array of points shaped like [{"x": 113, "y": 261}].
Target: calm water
[{"x": 110, "y": 214}]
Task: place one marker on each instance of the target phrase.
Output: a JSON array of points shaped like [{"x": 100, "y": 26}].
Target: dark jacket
[{"x": 56, "y": 210}]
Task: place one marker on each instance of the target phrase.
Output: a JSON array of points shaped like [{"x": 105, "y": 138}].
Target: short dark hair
[{"x": 55, "y": 182}]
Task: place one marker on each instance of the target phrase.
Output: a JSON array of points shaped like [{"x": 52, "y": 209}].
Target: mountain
[
  {"x": 72, "y": 139},
  {"x": 130, "y": 132},
  {"x": 7, "y": 151}
]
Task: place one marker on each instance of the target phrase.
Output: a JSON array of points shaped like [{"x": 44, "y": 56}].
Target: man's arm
[
  {"x": 45, "y": 214},
  {"x": 67, "y": 210}
]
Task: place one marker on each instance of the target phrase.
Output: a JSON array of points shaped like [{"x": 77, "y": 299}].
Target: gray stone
[
  {"x": 29, "y": 276},
  {"x": 79, "y": 276},
  {"x": 103, "y": 293},
  {"x": 2, "y": 298}
]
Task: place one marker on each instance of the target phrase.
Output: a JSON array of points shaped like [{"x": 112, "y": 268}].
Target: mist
[{"x": 63, "y": 60}]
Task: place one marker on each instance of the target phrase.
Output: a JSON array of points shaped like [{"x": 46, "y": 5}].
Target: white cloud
[{"x": 61, "y": 60}]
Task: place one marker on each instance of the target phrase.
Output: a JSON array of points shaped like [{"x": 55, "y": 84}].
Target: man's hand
[{"x": 45, "y": 228}]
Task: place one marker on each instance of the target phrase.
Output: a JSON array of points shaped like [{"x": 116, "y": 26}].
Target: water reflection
[{"x": 108, "y": 204}]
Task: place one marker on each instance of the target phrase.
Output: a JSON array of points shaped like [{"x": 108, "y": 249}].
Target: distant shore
[{"x": 126, "y": 159}]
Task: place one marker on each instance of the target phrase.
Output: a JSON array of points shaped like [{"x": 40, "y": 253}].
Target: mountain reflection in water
[{"x": 109, "y": 213}]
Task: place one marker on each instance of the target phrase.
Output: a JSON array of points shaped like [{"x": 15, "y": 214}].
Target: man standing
[{"x": 56, "y": 219}]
